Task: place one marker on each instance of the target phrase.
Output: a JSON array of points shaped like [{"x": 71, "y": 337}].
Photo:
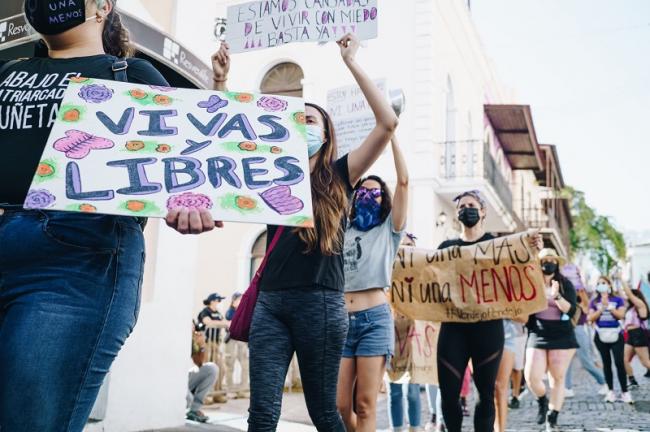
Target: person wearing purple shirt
[{"x": 605, "y": 311}]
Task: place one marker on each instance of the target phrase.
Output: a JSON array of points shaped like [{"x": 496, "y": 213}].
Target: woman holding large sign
[
  {"x": 482, "y": 342},
  {"x": 301, "y": 306},
  {"x": 551, "y": 340},
  {"x": 371, "y": 243},
  {"x": 69, "y": 282}
]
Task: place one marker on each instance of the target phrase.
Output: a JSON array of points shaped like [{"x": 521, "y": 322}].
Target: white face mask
[{"x": 314, "y": 139}]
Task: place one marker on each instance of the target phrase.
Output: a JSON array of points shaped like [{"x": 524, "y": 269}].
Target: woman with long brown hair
[
  {"x": 635, "y": 324},
  {"x": 301, "y": 307},
  {"x": 69, "y": 282}
]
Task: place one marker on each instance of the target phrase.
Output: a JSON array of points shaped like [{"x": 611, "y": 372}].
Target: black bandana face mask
[{"x": 53, "y": 17}]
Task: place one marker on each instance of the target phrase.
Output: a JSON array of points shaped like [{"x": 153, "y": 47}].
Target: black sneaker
[
  {"x": 513, "y": 403},
  {"x": 197, "y": 416},
  {"x": 542, "y": 405},
  {"x": 551, "y": 420},
  {"x": 632, "y": 382},
  {"x": 647, "y": 374}
]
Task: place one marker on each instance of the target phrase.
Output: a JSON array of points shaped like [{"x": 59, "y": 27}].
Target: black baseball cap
[{"x": 212, "y": 297}]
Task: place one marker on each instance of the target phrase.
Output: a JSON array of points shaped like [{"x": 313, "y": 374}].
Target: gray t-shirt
[{"x": 369, "y": 255}]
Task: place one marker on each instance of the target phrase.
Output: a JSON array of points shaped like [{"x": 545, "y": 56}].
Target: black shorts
[{"x": 637, "y": 338}]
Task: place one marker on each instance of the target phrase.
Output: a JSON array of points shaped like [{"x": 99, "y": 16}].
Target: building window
[
  {"x": 283, "y": 79},
  {"x": 257, "y": 253}
]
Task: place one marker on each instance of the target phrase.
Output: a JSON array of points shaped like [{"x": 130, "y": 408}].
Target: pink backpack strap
[{"x": 274, "y": 242}]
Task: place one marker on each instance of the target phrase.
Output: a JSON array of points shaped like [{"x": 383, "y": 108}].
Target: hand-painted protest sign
[
  {"x": 270, "y": 23},
  {"x": 353, "y": 119},
  {"x": 138, "y": 150},
  {"x": 494, "y": 279},
  {"x": 415, "y": 351}
]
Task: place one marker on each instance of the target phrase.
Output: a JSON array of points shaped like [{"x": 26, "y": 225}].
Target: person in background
[
  {"x": 635, "y": 325},
  {"x": 513, "y": 331},
  {"x": 301, "y": 305},
  {"x": 551, "y": 340},
  {"x": 516, "y": 377},
  {"x": 583, "y": 334},
  {"x": 644, "y": 287},
  {"x": 202, "y": 376},
  {"x": 605, "y": 311},
  {"x": 480, "y": 342},
  {"x": 435, "y": 408},
  {"x": 396, "y": 389},
  {"x": 214, "y": 322},
  {"x": 584, "y": 353},
  {"x": 236, "y": 351},
  {"x": 377, "y": 222}
]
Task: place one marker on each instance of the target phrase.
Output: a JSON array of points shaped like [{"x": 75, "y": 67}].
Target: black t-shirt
[
  {"x": 459, "y": 242},
  {"x": 289, "y": 267},
  {"x": 30, "y": 93},
  {"x": 211, "y": 333}
]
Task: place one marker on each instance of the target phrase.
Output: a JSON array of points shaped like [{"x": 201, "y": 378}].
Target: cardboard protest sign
[
  {"x": 353, "y": 119},
  {"x": 494, "y": 279},
  {"x": 137, "y": 150},
  {"x": 270, "y": 23},
  {"x": 415, "y": 351}
]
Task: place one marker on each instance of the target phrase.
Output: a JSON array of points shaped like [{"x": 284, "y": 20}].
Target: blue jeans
[
  {"x": 396, "y": 404},
  {"x": 69, "y": 298},
  {"x": 585, "y": 357},
  {"x": 371, "y": 333},
  {"x": 311, "y": 323}
]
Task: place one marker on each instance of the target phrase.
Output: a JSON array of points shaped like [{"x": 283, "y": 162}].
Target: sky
[{"x": 583, "y": 66}]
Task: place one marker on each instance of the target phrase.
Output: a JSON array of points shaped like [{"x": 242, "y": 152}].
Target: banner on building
[
  {"x": 494, "y": 279},
  {"x": 353, "y": 119},
  {"x": 137, "y": 150},
  {"x": 415, "y": 351},
  {"x": 270, "y": 23}
]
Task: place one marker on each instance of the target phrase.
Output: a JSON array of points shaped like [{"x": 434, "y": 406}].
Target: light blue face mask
[
  {"x": 602, "y": 288},
  {"x": 314, "y": 139}
]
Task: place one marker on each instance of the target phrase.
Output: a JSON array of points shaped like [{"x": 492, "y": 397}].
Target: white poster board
[
  {"x": 265, "y": 24},
  {"x": 138, "y": 150},
  {"x": 353, "y": 119}
]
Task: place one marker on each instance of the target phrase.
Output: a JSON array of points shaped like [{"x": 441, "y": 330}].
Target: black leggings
[
  {"x": 616, "y": 349},
  {"x": 457, "y": 343}
]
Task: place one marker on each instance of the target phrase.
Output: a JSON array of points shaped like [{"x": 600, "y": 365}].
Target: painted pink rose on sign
[
  {"x": 189, "y": 200},
  {"x": 271, "y": 103}
]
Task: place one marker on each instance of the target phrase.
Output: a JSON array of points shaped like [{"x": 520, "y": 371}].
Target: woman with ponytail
[
  {"x": 69, "y": 282},
  {"x": 301, "y": 306}
]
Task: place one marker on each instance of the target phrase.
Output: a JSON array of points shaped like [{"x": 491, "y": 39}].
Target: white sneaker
[
  {"x": 569, "y": 393},
  {"x": 627, "y": 398},
  {"x": 611, "y": 397},
  {"x": 603, "y": 390}
]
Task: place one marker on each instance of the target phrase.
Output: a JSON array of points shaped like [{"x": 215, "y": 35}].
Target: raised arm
[
  {"x": 192, "y": 221},
  {"x": 400, "y": 201},
  {"x": 361, "y": 159},
  {"x": 639, "y": 304},
  {"x": 221, "y": 67}
]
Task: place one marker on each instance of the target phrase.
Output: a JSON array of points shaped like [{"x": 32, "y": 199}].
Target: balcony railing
[
  {"x": 541, "y": 218},
  {"x": 471, "y": 160}
]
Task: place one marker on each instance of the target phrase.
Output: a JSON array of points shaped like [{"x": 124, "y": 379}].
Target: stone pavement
[{"x": 585, "y": 412}]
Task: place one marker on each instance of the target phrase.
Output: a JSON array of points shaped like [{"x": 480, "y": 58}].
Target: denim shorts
[{"x": 371, "y": 333}]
